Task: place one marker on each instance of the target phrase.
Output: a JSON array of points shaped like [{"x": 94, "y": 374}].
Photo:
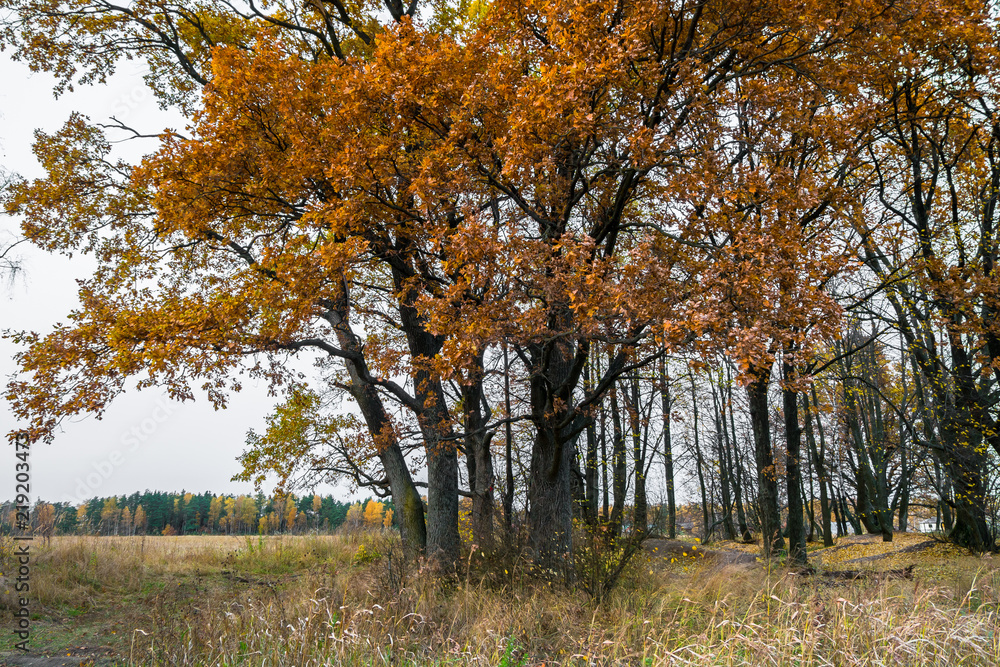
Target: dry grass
[{"x": 344, "y": 601}]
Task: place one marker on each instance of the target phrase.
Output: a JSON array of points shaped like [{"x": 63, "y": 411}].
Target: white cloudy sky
[{"x": 183, "y": 446}]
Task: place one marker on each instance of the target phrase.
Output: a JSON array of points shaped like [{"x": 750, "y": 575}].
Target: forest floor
[{"x": 344, "y": 600}]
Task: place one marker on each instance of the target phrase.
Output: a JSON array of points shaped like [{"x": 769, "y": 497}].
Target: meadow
[{"x": 353, "y": 600}]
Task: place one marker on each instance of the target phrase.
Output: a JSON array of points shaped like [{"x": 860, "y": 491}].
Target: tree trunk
[
  {"x": 441, "y": 452},
  {"x": 412, "y": 530},
  {"x": 508, "y": 492},
  {"x": 793, "y": 473},
  {"x": 819, "y": 465},
  {"x": 668, "y": 457},
  {"x": 605, "y": 498},
  {"x": 640, "y": 519},
  {"x": 550, "y": 497},
  {"x": 737, "y": 468},
  {"x": 619, "y": 469},
  {"x": 477, "y": 447},
  {"x": 590, "y": 464},
  {"x": 767, "y": 479},
  {"x": 699, "y": 466},
  {"x": 722, "y": 448}
]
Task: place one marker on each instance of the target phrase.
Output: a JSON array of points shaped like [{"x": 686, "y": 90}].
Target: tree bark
[
  {"x": 767, "y": 479},
  {"x": 508, "y": 493},
  {"x": 640, "y": 519},
  {"x": 699, "y": 467},
  {"x": 793, "y": 471},
  {"x": 819, "y": 466},
  {"x": 550, "y": 497},
  {"x": 737, "y": 467},
  {"x": 668, "y": 456},
  {"x": 406, "y": 498},
  {"x": 619, "y": 470},
  {"x": 477, "y": 447},
  {"x": 722, "y": 448},
  {"x": 590, "y": 464}
]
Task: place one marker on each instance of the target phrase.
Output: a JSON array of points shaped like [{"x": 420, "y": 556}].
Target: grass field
[{"x": 344, "y": 600}]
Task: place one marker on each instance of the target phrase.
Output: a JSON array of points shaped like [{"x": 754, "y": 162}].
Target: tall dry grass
[{"x": 345, "y": 601}]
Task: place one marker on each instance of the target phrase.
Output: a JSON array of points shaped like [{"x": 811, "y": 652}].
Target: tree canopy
[{"x": 405, "y": 189}]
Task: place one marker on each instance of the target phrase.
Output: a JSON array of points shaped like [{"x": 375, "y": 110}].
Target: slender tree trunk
[
  {"x": 605, "y": 498},
  {"x": 619, "y": 467},
  {"x": 850, "y": 517},
  {"x": 904, "y": 504},
  {"x": 508, "y": 492},
  {"x": 640, "y": 521},
  {"x": 590, "y": 472},
  {"x": 477, "y": 447},
  {"x": 699, "y": 466},
  {"x": 722, "y": 447},
  {"x": 578, "y": 488},
  {"x": 820, "y": 468},
  {"x": 668, "y": 457},
  {"x": 739, "y": 485},
  {"x": 793, "y": 471}
]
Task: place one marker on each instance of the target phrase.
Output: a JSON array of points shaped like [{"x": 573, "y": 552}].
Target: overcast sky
[{"x": 144, "y": 440}]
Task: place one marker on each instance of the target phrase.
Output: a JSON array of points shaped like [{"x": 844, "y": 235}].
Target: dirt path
[
  {"x": 910, "y": 544},
  {"x": 89, "y": 657},
  {"x": 663, "y": 548}
]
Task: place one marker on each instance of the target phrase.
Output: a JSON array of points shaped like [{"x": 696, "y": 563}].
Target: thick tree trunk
[
  {"x": 793, "y": 473},
  {"x": 965, "y": 466},
  {"x": 435, "y": 427},
  {"x": 442, "y": 493},
  {"x": 767, "y": 478},
  {"x": 550, "y": 498},
  {"x": 966, "y": 453}
]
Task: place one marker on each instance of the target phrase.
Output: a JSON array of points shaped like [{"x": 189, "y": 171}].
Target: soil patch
[
  {"x": 82, "y": 657},
  {"x": 676, "y": 549}
]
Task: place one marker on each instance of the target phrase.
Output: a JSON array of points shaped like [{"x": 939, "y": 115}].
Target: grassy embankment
[{"x": 343, "y": 601}]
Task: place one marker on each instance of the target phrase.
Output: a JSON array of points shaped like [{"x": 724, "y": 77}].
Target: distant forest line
[{"x": 184, "y": 513}]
